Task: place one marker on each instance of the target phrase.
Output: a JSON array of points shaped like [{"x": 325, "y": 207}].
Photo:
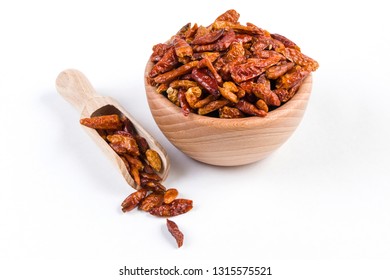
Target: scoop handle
[{"x": 75, "y": 88}]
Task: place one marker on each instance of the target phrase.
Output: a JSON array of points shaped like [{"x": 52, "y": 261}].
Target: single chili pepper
[
  {"x": 286, "y": 42},
  {"x": 166, "y": 63},
  {"x": 150, "y": 201},
  {"x": 133, "y": 199},
  {"x": 175, "y": 73},
  {"x": 158, "y": 52},
  {"x": 206, "y": 62},
  {"x": 185, "y": 107},
  {"x": 176, "y": 207},
  {"x": 250, "y": 109},
  {"x": 170, "y": 195},
  {"x": 206, "y": 81},
  {"x": 103, "y": 122},
  {"x": 182, "y": 48},
  {"x": 230, "y": 15},
  {"x": 176, "y": 233}
]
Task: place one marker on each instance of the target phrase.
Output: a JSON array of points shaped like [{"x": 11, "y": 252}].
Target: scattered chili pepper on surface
[
  {"x": 176, "y": 233},
  {"x": 143, "y": 165}
]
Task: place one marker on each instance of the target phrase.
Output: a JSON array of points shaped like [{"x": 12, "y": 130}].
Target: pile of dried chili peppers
[{"x": 228, "y": 70}]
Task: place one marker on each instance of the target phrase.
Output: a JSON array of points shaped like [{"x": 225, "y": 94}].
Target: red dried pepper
[
  {"x": 182, "y": 48},
  {"x": 103, "y": 122},
  {"x": 206, "y": 81},
  {"x": 250, "y": 109},
  {"x": 133, "y": 199},
  {"x": 229, "y": 15},
  {"x": 174, "y": 74},
  {"x": 150, "y": 201},
  {"x": 185, "y": 107},
  {"x": 166, "y": 63},
  {"x": 177, "y": 207},
  {"x": 220, "y": 45},
  {"x": 158, "y": 52},
  {"x": 125, "y": 142},
  {"x": 252, "y": 68},
  {"x": 170, "y": 195},
  {"x": 286, "y": 42},
  {"x": 176, "y": 233}
]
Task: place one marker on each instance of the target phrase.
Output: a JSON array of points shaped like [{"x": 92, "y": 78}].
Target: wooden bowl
[{"x": 227, "y": 142}]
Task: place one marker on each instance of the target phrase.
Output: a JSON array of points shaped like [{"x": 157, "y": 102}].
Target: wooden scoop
[{"x": 78, "y": 91}]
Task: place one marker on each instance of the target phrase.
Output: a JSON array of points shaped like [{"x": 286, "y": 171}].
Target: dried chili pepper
[
  {"x": 176, "y": 207},
  {"x": 133, "y": 199},
  {"x": 158, "y": 52},
  {"x": 170, "y": 195},
  {"x": 230, "y": 113},
  {"x": 150, "y": 176},
  {"x": 125, "y": 142},
  {"x": 250, "y": 109},
  {"x": 143, "y": 145},
  {"x": 185, "y": 107},
  {"x": 229, "y": 95},
  {"x": 262, "y": 89},
  {"x": 219, "y": 45},
  {"x": 129, "y": 127},
  {"x": 134, "y": 161},
  {"x": 118, "y": 148},
  {"x": 229, "y": 15},
  {"x": 165, "y": 64},
  {"x": 103, "y": 122},
  {"x": 206, "y": 81},
  {"x": 183, "y": 84},
  {"x": 182, "y": 48},
  {"x": 203, "y": 102},
  {"x": 286, "y": 42},
  {"x": 206, "y": 62},
  {"x": 153, "y": 186},
  {"x": 182, "y": 31},
  {"x": 192, "y": 96},
  {"x": 252, "y": 68},
  {"x": 292, "y": 77},
  {"x": 153, "y": 159},
  {"x": 190, "y": 31},
  {"x": 250, "y": 29},
  {"x": 150, "y": 201},
  {"x": 278, "y": 70},
  {"x": 213, "y": 106},
  {"x": 262, "y": 105},
  {"x": 176, "y": 233},
  {"x": 261, "y": 43},
  {"x": 173, "y": 96},
  {"x": 299, "y": 58},
  {"x": 173, "y": 74},
  {"x": 243, "y": 38},
  {"x": 236, "y": 51}
]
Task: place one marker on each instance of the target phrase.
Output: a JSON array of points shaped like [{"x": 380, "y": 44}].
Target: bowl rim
[{"x": 297, "y": 102}]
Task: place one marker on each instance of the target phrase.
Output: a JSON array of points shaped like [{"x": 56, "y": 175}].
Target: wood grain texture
[
  {"x": 74, "y": 87},
  {"x": 227, "y": 142}
]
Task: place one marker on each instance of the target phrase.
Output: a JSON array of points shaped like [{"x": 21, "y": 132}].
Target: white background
[{"x": 317, "y": 207}]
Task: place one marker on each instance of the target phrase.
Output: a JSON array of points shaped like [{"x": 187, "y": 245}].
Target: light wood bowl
[{"x": 227, "y": 142}]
